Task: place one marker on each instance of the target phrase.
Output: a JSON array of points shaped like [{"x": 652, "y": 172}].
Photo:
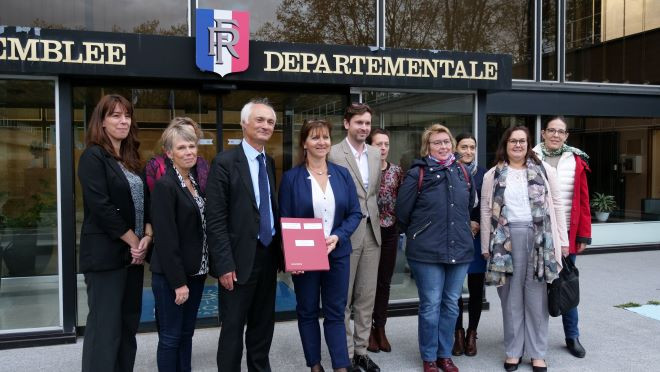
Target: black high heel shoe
[
  {"x": 539, "y": 369},
  {"x": 510, "y": 367}
]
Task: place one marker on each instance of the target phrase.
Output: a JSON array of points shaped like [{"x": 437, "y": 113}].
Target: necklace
[{"x": 320, "y": 173}]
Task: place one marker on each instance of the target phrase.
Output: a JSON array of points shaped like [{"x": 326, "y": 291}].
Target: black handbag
[{"x": 564, "y": 292}]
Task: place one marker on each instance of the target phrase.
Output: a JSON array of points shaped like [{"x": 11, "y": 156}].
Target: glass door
[
  {"x": 29, "y": 270},
  {"x": 405, "y": 115}
]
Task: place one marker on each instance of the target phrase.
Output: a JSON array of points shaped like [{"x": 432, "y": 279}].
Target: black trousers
[
  {"x": 251, "y": 304},
  {"x": 115, "y": 303},
  {"x": 390, "y": 243},
  {"x": 476, "y": 290}
]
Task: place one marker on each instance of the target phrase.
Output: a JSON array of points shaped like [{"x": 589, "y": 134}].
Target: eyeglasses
[
  {"x": 553, "y": 131},
  {"x": 438, "y": 143},
  {"x": 521, "y": 142}
]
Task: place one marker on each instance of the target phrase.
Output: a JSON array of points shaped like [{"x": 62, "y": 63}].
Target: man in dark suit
[{"x": 244, "y": 248}]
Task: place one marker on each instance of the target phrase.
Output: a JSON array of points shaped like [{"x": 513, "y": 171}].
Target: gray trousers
[
  {"x": 524, "y": 300},
  {"x": 361, "y": 293}
]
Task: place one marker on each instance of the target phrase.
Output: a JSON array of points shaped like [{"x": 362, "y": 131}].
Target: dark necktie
[{"x": 265, "y": 231}]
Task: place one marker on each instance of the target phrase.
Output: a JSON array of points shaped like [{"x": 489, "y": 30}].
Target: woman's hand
[
  {"x": 474, "y": 226},
  {"x": 486, "y": 255},
  {"x": 331, "y": 242},
  {"x": 181, "y": 294},
  {"x": 297, "y": 272},
  {"x": 564, "y": 251}
]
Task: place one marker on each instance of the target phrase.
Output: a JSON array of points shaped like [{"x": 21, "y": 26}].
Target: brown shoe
[
  {"x": 430, "y": 367},
  {"x": 471, "y": 342},
  {"x": 446, "y": 365},
  {"x": 459, "y": 342},
  {"x": 381, "y": 338},
  {"x": 373, "y": 342}
]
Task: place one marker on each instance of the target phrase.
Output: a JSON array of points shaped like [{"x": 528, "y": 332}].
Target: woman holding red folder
[{"x": 318, "y": 188}]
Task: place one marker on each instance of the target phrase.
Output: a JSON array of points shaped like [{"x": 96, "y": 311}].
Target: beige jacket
[
  {"x": 554, "y": 207},
  {"x": 341, "y": 154}
]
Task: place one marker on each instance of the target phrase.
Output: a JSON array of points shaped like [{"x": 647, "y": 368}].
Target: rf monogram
[{"x": 223, "y": 37}]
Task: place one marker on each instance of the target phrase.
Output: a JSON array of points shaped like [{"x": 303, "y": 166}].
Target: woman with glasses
[
  {"x": 433, "y": 209},
  {"x": 523, "y": 233}
]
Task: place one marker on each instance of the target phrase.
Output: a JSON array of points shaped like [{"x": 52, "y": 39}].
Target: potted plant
[{"x": 603, "y": 204}]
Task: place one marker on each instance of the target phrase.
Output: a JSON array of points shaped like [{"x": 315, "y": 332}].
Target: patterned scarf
[
  {"x": 545, "y": 152},
  {"x": 444, "y": 163},
  {"x": 472, "y": 168},
  {"x": 543, "y": 253}
]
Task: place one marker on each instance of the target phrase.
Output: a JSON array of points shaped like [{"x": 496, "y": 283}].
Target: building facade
[{"x": 478, "y": 66}]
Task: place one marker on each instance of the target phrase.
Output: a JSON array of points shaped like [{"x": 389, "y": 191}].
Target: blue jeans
[
  {"x": 176, "y": 322},
  {"x": 439, "y": 287},
  {"x": 570, "y": 319}
]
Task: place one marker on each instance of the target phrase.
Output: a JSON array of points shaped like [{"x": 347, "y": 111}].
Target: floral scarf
[
  {"x": 545, "y": 152},
  {"x": 501, "y": 262}
]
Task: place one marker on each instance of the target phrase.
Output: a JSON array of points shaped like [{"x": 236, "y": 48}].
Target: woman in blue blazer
[{"x": 321, "y": 189}]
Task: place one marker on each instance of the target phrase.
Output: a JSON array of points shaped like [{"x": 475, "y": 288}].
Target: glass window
[
  {"x": 495, "y": 127},
  {"x": 488, "y": 26},
  {"x": 405, "y": 116},
  {"x": 29, "y": 271},
  {"x": 144, "y": 17},
  {"x": 315, "y": 21},
  {"x": 625, "y": 162},
  {"x": 613, "y": 41},
  {"x": 549, "y": 40},
  {"x": 154, "y": 108}
]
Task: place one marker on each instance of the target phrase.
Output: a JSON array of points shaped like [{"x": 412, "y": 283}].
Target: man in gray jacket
[{"x": 363, "y": 163}]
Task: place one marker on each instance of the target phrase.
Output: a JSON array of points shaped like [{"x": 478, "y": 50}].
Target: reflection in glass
[
  {"x": 549, "y": 40},
  {"x": 291, "y": 110},
  {"x": 405, "y": 116},
  {"x": 488, "y": 26},
  {"x": 624, "y": 161},
  {"x": 613, "y": 41},
  {"x": 350, "y": 22},
  {"x": 163, "y": 17},
  {"x": 29, "y": 281}
]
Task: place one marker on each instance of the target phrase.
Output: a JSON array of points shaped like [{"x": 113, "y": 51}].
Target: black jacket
[
  {"x": 109, "y": 211},
  {"x": 437, "y": 219},
  {"x": 178, "y": 233},
  {"x": 232, "y": 218}
]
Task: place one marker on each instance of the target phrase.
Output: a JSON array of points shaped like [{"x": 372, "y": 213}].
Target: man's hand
[
  {"x": 581, "y": 247},
  {"x": 227, "y": 280}
]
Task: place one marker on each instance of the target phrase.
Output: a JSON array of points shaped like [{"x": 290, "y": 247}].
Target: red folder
[{"x": 304, "y": 246}]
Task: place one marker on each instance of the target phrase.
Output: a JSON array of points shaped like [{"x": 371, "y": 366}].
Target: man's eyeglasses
[
  {"x": 553, "y": 131},
  {"x": 438, "y": 143},
  {"x": 521, "y": 142}
]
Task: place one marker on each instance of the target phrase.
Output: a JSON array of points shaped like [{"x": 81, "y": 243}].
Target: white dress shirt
[
  {"x": 516, "y": 197},
  {"x": 363, "y": 163},
  {"x": 324, "y": 204}
]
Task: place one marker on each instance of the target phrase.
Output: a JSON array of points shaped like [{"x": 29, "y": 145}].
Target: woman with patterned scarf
[{"x": 523, "y": 234}]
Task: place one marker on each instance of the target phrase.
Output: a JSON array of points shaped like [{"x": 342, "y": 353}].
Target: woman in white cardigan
[{"x": 523, "y": 234}]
